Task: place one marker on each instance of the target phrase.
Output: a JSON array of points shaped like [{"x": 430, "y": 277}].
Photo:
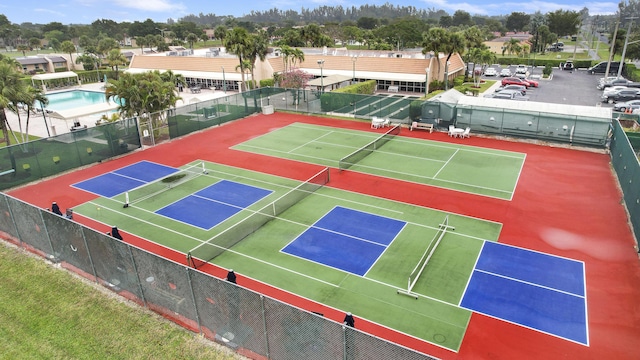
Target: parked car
[
  {"x": 517, "y": 81},
  {"x": 521, "y": 88},
  {"x": 624, "y": 106},
  {"x": 622, "y": 96},
  {"x": 613, "y": 89},
  {"x": 601, "y": 68},
  {"x": 508, "y": 95},
  {"x": 522, "y": 69},
  {"x": 618, "y": 82},
  {"x": 568, "y": 65},
  {"x": 505, "y": 73},
  {"x": 490, "y": 72}
]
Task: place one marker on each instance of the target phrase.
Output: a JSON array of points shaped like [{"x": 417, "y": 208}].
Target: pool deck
[{"x": 56, "y": 126}]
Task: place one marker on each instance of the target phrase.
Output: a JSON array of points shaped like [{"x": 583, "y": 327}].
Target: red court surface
[{"x": 566, "y": 203}]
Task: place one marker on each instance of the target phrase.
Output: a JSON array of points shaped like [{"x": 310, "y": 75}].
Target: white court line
[
  {"x": 510, "y": 192},
  {"x": 446, "y": 163},
  {"x": 196, "y": 239},
  {"x": 309, "y": 142}
]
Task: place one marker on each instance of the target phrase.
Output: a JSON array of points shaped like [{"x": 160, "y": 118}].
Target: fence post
[{"x": 264, "y": 325}]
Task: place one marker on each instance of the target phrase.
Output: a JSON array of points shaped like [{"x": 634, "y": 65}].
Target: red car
[{"x": 517, "y": 81}]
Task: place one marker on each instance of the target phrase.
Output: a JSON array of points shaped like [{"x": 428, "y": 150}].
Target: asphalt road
[{"x": 575, "y": 87}]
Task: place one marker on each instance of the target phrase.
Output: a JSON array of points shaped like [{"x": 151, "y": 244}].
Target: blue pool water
[{"x": 74, "y": 99}]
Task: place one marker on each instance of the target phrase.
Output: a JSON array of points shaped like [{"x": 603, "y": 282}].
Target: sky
[{"x": 87, "y": 11}]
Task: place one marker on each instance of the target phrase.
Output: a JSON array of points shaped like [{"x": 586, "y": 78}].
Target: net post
[{"x": 126, "y": 200}]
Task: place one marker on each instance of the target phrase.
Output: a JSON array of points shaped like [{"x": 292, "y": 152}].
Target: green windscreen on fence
[{"x": 23, "y": 163}]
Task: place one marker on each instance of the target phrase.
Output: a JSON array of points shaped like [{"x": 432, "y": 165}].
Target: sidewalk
[{"x": 43, "y": 125}]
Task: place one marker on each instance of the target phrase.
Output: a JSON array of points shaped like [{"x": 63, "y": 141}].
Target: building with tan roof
[{"x": 405, "y": 72}]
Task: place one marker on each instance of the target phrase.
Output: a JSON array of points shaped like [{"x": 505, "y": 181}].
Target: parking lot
[{"x": 575, "y": 87}]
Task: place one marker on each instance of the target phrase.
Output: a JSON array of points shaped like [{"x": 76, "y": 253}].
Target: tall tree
[
  {"x": 517, "y": 21},
  {"x": 258, "y": 49},
  {"x": 237, "y": 42},
  {"x": 115, "y": 59},
  {"x": 147, "y": 95},
  {"x": 69, "y": 48},
  {"x": 10, "y": 89},
  {"x": 191, "y": 39},
  {"x": 434, "y": 40},
  {"x": 564, "y": 22}
]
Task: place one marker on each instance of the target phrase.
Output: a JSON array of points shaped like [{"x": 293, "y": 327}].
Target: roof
[
  {"x": 449, "y": 96},
  {"x": 584, "y": 112},
  {"x": 329, "y": 80},
  {"x": 32, "y": 60},
  {"x": 58, "y": 75}
]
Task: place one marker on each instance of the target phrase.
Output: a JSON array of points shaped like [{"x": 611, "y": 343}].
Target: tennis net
[
  {"x": 424, "y": 260},
  {"x": 158, "y": 186},
  {"x": 356, "y": 156},
  {"x": 209, "y": 250}
]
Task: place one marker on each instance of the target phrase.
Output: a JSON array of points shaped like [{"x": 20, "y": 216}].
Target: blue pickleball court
[
  {"x": 124, "y": 179},
  {"x": 532, "y": 289},
  {"x": 346, "y": 239},
  {"x": 214, "y": 204}
]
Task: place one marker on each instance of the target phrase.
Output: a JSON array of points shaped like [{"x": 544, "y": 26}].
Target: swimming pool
[{"x": 74, "y": 99}]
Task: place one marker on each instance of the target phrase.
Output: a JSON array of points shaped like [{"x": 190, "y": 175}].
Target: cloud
[
  {"x": 48, "y": 11},
  {"x": 151, "y": 5}
]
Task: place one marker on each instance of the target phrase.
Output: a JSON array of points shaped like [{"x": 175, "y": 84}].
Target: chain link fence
[
  {"x": 627, "y": 167},
  {"x": 248, "y": 322}
]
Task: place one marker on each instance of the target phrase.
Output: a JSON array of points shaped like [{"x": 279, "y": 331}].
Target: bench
[
  {"x": 422, "y": 126},
  {"x": 393, "y": 89}
]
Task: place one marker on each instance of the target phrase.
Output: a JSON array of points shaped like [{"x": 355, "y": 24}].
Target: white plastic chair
[
  {"x": 466, "y": 133},
  {"x": 452, "y": 130}
]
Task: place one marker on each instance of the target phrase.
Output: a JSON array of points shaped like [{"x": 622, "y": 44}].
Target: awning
[
  {"x": 329, "y": 80},
  {"x": 211, "y": 75},
  {"x": 102, "y": 108},
  {"x": 51, "y": 76}
]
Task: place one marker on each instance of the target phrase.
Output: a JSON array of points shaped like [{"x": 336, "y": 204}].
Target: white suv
[{"x": 521, "y": 71}]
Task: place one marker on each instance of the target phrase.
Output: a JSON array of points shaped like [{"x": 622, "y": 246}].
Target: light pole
[
  {"x": 354, "y": 59},
  {"x": 626, "y": 42},
  {"x": 224, "y": 82},
  {"x": 426, "y": 82},
  {"x": 321, "y": 64},
  {"x": 446, "y": 75}
]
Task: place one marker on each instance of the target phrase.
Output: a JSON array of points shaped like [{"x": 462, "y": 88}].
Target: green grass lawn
[
  {"x": 13, "y": 138},
  {"x": 49, "y": 314}
]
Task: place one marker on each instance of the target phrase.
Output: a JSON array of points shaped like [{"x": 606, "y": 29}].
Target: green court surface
[
  {"x": 458, "y": 167},
  {"x": 435, "y": 317}
]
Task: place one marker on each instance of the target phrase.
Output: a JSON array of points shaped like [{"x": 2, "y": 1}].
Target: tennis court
[
  {"x": 342, "y": 249},
  {"x": 527, "y": 296},
  {"x": 481, "y": 171}
]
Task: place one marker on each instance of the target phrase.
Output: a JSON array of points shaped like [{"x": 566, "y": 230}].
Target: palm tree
[
  {"x": 146, "y": 95},
  {"x": 191, "y": 39},
  {"x": 238, "y": 42},
  {"x": 10, "y": 87},
  {"x": 510, "y": 46},
  {"x": 258, "y": 49},
  {"x": 23, "y": 48},
  {"x": 297, "y": 56},
  {"x": 115, "y": 59},
  {"x": 434, "y": 40},
  {"x": 285, "y": 52},
  {"x": 69, "y": 48},
  {"x": 220, "y": 32},
  {"x": 456, "y": 44}
]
